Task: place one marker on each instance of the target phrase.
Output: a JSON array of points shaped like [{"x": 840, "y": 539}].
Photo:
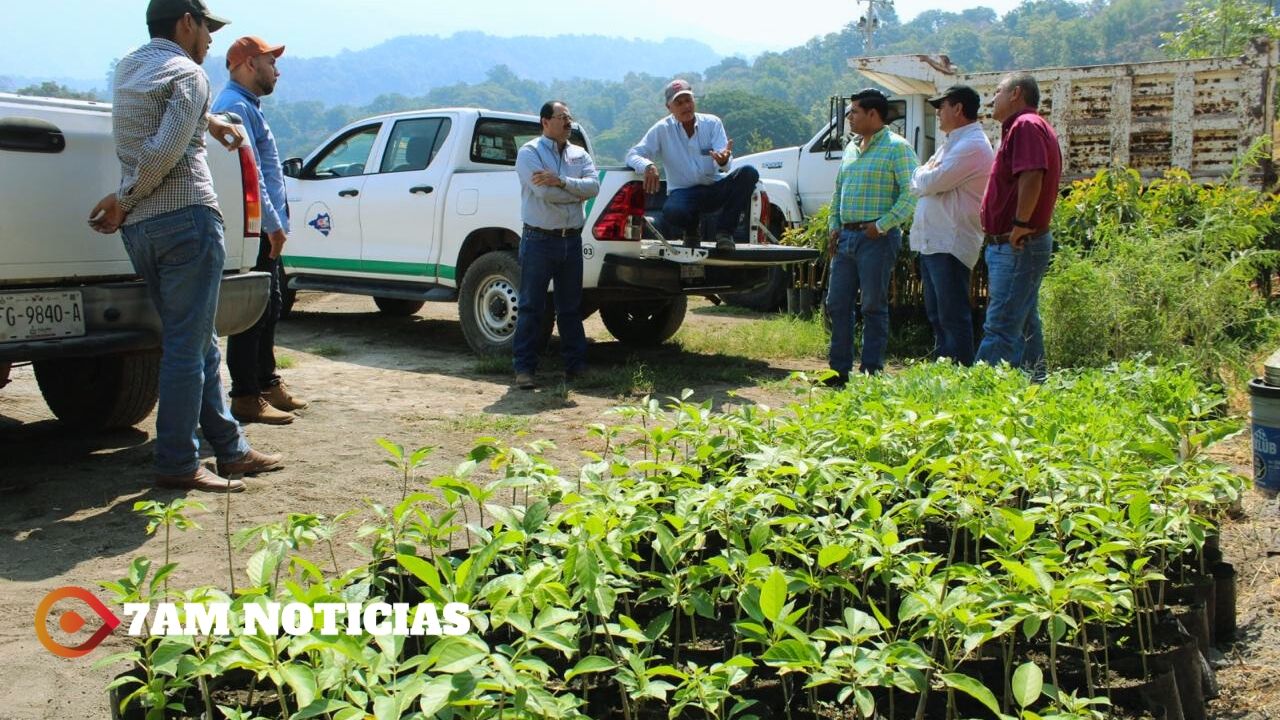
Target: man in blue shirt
[
  {"x": 695, "y": 152},
  {"x": 257, "y": 394},
  {"x": 556, "y": 178}
]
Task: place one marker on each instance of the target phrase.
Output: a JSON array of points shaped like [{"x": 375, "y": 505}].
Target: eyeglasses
[{"x": 563, "y": 116}]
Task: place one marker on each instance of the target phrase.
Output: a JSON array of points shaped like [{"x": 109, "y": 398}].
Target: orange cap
[{"x": 248, "y": 47}]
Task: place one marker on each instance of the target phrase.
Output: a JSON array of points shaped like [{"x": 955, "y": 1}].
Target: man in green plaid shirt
[{"x": 872, "y": 198}]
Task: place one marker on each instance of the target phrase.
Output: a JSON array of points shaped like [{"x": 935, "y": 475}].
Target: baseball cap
[
  {"x": 169, "y": 9},
  {"x": 963, "y": 94},
  {"x": 676, "y": 88},
  {"x": 248, "y": 47}
]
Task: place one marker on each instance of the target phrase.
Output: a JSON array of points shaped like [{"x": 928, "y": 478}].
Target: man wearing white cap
[
  {"x": 695, "y": 152},
  {"x": 257, "y": 394}
]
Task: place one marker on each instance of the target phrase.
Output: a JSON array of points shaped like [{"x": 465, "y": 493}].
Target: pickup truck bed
[{"x": 70, "y": 302}]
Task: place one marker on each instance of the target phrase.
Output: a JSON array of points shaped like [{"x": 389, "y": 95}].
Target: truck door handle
[
  {"x": 349, "y": 192},
  {"x": 424, "y": 189}
]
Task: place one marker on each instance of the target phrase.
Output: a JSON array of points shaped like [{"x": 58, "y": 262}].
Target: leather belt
[
  {"x": 858, "y": 226},
  {"x": 1003, "y": 239},
  {"x": 558, "y": 232}
]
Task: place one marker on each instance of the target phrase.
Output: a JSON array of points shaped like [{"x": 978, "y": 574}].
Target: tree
[
  {"x": 1212, "y": 28},
  {"x": 54, "y": 90}
]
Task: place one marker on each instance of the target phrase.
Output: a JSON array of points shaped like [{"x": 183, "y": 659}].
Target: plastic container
[{"x": 1265, "y": 415}]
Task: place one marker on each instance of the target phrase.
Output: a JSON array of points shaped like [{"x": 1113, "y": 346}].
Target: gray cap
[
  {"x": 963, "y": 94},
  {"x": 676, "y": 88},
  {"x": 170, "y": 9}
]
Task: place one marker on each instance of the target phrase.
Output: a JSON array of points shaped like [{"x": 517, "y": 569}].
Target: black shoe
[
  {"x": 725, "y": 242},
  {"x": 838, "y": 380},
  {"x": 577, "y": 374}
]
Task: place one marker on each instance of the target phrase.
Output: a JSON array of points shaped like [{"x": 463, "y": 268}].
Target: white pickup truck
[
  {"x": 425, "y": 206},
  {"x": 70, "y": 302}
]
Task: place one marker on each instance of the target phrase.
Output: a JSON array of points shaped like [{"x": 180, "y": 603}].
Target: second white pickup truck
[{"x": 425, "y": 206}]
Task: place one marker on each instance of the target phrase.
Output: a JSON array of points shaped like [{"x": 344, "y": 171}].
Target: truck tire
[
  {"x": 103, "y": 392},
  {"x": 397, "y": 307},
  {"x": 644, "y": 323},
  {"x": 488, "y": 302},
  {"x": 771, "y": 296},
  {"x": 768, "y": 297}
]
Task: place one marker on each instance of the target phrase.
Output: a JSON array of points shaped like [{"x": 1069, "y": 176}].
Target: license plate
[
  {"x": 692, "y": 272},
  {"x": 41, "y": 315}
]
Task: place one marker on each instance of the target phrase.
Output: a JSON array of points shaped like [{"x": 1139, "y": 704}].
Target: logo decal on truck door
[{"x": 322, "y": 223}]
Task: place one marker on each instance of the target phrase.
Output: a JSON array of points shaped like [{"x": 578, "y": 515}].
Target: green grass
[
  {"x": 780, "y": 336},
  {"x": 493, "y": 365},
  {"x": 496, "y": 424},
  {"x": 285, "y": 362},
  {"x": 327, "y": 351}
]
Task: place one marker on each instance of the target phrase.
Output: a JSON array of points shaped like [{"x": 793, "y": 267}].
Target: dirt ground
[{"x": 66, "y": 498}]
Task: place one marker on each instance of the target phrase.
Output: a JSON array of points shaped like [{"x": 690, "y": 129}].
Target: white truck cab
[{"x": 425, "y": 206}]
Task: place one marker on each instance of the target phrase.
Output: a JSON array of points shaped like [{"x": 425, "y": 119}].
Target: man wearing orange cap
[{"x": 257, "y": 394}]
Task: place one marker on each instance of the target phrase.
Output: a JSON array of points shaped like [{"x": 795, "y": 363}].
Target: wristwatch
[{"x": 1023, "y": 224}]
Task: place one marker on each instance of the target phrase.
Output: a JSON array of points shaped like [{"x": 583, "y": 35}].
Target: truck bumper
[
  {"x": 671, "y": 278},
  {"x": 119, "y": 317},
  {"x": 741, "y": 270}
]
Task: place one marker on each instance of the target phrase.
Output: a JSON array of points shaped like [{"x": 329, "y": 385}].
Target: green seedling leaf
[
  {"x": 832, "y": 554},
  {"x": 590, "y": 664},
  {"x": 1028, "y": 681},
  {"x": 773, "y": 595},
  {"x": 973, "y": 688},
  {"x": 302, "y": 681}
]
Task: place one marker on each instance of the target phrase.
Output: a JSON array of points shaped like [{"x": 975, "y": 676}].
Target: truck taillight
[
  {"x": 252, "y": 200},
  {"x": 761, "y": 238},
  {"x": 623, "y": 219}
]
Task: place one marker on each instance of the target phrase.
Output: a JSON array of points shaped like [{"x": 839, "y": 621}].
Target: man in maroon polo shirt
[{"x": 1016, "y": 209}]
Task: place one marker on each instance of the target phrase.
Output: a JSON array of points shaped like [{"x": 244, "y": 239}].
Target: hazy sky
[{"x": 79, "y": 38}]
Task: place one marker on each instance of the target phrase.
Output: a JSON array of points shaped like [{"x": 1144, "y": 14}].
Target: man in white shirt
[
  {"x": 695, "y": 152},
  {"x": 946, "y": 230}
]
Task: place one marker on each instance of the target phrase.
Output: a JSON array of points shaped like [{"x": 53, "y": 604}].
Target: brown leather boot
[
  {"x": 251, "y": 463},
  {"x": 254, "y": 409},
  {"x": 199, "y": 479},
  {"x": 279, "y": 397}
]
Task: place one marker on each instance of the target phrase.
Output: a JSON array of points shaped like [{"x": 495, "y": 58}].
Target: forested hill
[
  {"x": 413, "y": 65},
  {"x": 779, "y": 98},
  {"x": 614, "y": 86}
]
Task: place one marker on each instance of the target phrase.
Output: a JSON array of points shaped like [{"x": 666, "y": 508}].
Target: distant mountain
[{"x": 414, "y": 65}]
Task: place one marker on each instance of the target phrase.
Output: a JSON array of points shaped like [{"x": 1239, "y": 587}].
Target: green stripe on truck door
[{"x": 371, "y": 266}]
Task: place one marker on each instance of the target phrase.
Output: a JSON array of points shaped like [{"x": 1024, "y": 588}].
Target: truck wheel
[
  {"x": 397, "y": 307},
  {"x": 488, "y": 302},
  {"x": 108, "y": 391},
  {"x": 644, "y": 323},
  {"x": 768, "y": 297}
]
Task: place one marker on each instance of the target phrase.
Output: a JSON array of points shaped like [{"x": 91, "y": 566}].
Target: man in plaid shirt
[
  {"x": 167, "y": 213},
  {"x": 872, "y": 199}
]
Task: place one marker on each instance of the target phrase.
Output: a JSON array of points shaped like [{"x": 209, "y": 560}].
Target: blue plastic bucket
[{"x": 1265, "y": 414}]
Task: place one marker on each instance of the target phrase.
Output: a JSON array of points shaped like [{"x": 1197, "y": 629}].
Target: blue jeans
[
  {"x": 1012, "y": 333},
  {"x": 946, "y": 302},
  {"x": 731, "y": 195},
  {"x": 861, "y": 264},
  {"x": 180, "y": 256},
  {"x": 545, "y": 257}
]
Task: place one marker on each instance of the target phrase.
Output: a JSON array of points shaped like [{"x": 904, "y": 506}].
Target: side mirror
[{"x": 292, "y": 167}]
